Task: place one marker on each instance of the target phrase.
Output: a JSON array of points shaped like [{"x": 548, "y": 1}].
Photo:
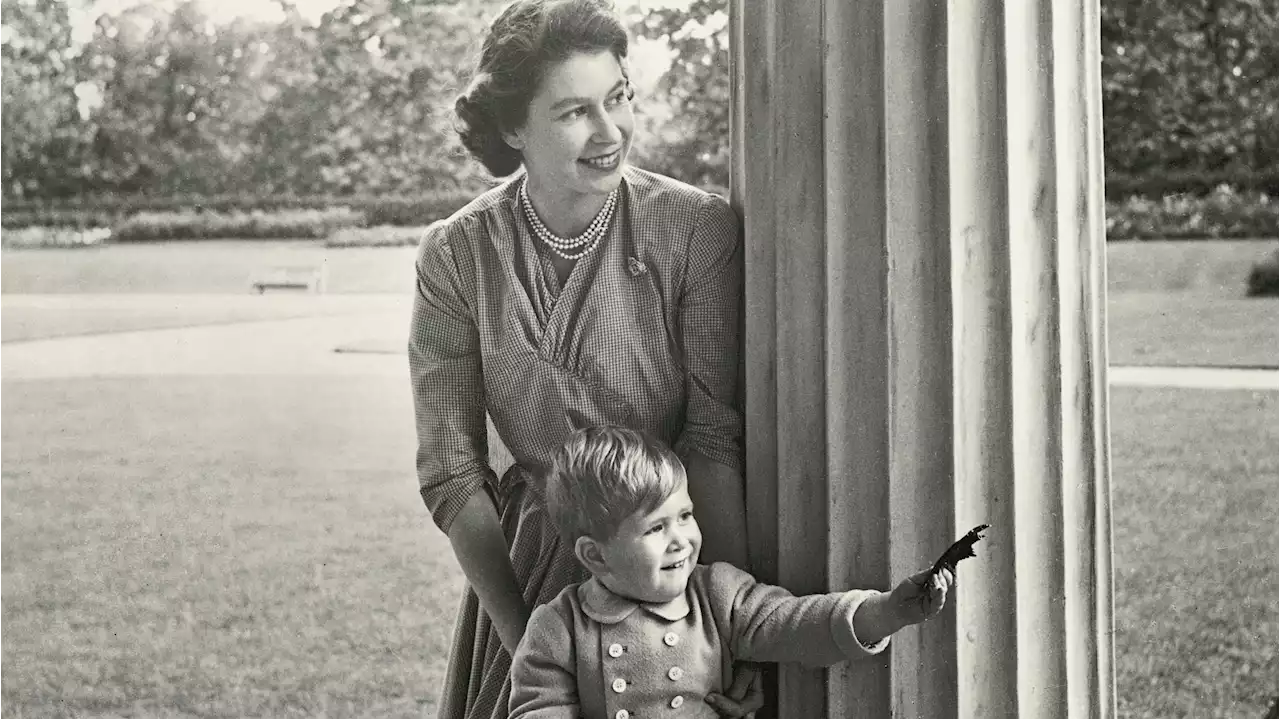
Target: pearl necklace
[{"x": 585, "y": 243}]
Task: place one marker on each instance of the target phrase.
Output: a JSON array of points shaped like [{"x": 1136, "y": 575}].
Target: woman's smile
[{"x": 608, "y": 162}]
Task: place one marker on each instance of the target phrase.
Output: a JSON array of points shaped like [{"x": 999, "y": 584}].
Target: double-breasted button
[
  {"x": 622, "y": 714},
  {"x": 615, "y": 650},
  {"x": 674, "y": 673},
  {"x": 677, "y": 702},
  {"x": 619, "y": 685},
  {"x": 671, "y": 639}
]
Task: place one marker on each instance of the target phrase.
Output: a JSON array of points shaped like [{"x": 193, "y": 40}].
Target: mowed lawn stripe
[{"x": 219, "y": 547}]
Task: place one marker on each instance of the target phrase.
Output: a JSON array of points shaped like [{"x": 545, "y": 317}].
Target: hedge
[
  {"x": 62, "y": 237},
  {"x": 399, "y": 210},
  {"x": 1222, "y": 214},
  {"x": 1173, "y": 182},
  {"x": 383, "y": 236},
  {"x": 159, "y": 226}
]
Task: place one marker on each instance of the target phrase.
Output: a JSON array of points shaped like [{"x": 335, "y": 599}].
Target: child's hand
[{"x": 921, "y": 596}]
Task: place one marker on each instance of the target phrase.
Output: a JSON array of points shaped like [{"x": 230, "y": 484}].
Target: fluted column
[{"x": 921, "y": 191}]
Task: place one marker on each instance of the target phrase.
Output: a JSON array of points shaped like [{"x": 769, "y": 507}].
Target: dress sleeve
[
  {"x": 543, "y": 682},
  {"x": 448, "y": 386},
  {"x": 709, "y": 309},
  {"x": 769, "y": 624}
]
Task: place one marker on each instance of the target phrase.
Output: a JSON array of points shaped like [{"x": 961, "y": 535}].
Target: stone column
[{"x": 921, "y": 188}]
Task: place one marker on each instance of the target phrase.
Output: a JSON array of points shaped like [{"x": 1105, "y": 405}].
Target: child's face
[{"x": 653, "y": 553}]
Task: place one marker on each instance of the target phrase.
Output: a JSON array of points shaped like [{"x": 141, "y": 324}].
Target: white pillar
[{"x": 921, "y": 191}]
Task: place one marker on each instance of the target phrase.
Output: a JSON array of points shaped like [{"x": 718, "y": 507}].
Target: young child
[{"x": 653, "y": 631}]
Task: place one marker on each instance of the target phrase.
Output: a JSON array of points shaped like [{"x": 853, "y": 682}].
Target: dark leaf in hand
[{"x": 961, "y": 549}]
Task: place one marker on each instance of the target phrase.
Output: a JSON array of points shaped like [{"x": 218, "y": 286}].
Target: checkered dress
[{"x": 643, "y": 334}]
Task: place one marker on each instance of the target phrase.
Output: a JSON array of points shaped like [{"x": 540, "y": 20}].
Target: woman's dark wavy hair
[{"x": 527, "y": 38}]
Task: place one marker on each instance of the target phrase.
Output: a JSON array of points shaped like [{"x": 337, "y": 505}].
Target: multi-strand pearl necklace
[{"x": 571, "y": 248}]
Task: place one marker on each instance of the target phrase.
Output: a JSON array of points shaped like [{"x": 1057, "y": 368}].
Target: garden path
[{"x": 339, "y": 335}]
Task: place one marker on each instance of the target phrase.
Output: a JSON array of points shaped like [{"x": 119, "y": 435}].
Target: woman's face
[{"x": 579, "y": 127}]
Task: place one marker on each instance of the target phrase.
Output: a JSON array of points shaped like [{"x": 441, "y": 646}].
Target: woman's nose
[{"x": 606, "y": 130}]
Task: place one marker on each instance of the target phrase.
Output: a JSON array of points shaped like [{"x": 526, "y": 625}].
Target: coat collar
[{"x": 602, "y": 605}]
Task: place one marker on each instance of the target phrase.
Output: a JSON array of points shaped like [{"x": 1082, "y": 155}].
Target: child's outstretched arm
[
  {"x": 768, "y": 624},
  {"x": 543, "y": 682},
  {"x": 916, "y": 599}
]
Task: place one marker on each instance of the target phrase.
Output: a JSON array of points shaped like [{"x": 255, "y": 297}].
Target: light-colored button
[
  {"x": 677, "y": 702},
  {"x": 615, "y": 650},
  {"x": 622, "y": 714},
  {"x": 674, "y": 673},
  {"x": 671, "y": 639},
  {"x": 619, "y": 685}
]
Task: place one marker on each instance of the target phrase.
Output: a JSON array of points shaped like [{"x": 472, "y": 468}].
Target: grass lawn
[
  {"x": 239, "y": 546},
  {"x": 218, "y": 547},
  {"x": 267, "y": 555},
  {"x": 31, "y": 317},
  {"x": 1195, "y": 521},
  {"x": 1178, "y": 303},
  {"x": 1183, "y": 303},
  {"x": 1165, "y": 328},
  {"x": 221, "y": 266},
  {"x": 1216, "y": 267}
]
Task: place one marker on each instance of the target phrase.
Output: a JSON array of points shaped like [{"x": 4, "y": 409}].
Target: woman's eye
[
  {"x": 686, "y": 516},
  {"x": 575, "y": 113},
  {"x": 654, "y": 529}
]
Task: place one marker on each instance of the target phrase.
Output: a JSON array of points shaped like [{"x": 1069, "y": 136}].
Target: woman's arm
[
  {"x": 718, "y": 496},
  {"x": 453, "y": 468},
  {"x": 711, "y": 442},
  {"x": 481, "y": 549}
]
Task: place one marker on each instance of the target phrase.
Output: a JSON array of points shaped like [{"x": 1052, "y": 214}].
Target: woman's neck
[{"x": 566, "y": 214}]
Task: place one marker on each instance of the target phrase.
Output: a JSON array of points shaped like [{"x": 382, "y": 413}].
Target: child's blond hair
[{"x": 602, "y": 475}]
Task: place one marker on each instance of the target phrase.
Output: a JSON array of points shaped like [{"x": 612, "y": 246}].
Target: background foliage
[{"x": 160, "y": 103}]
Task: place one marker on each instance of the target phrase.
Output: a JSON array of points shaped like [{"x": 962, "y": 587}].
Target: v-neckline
[{"x": 548, "y": 265}]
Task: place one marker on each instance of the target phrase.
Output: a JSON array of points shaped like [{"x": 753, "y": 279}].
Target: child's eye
[
  {"x": 686, "y": 515},
  {"x": 654, "y": 529}
]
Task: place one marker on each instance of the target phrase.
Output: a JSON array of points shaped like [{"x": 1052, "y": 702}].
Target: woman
[{"x": 583, "y": 291}]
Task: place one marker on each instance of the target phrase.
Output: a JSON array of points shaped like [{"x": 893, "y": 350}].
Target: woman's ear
[
  {"x": 514, "y": 139},
  {"x": 589, "y": 552}
]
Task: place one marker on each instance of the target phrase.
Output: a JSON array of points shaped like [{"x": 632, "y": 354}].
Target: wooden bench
[{"x": 290, "y": 277}]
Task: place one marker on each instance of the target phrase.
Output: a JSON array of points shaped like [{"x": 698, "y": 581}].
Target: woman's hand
[
  {"x": 511, "y": 627},
  {"x": 744, "y": 697},
  {"x": 481, "y": 549}
]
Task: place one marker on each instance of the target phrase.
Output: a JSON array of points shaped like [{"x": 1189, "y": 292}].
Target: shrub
[
  {"x": 32, "y": 237},
  {"x": 384, "y": 236},
  {"x": 1264, "y": 277},
  {"x": 398, "y": 210},
  {"x": 413, "y": 211},
  {"x": 48, "y": 217},
  {"x": 1223, "y": 213},
  {"x": 288, "y": 224}
]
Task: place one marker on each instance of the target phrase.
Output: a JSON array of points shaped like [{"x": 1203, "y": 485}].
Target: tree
[
  {"x": 363, "y": 102},
  {"x": 179, "y": 98},
  {"x": 39, "y": 133},
  {"x": 693, "y": 144},
  {"x": 1189, "y": 91}
]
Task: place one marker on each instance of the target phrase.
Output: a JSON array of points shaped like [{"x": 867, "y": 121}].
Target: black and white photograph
[{"x": 620, "y": 359}]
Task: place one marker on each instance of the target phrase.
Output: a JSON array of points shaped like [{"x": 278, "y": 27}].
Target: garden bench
[{"x": 290, "y": 277}]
